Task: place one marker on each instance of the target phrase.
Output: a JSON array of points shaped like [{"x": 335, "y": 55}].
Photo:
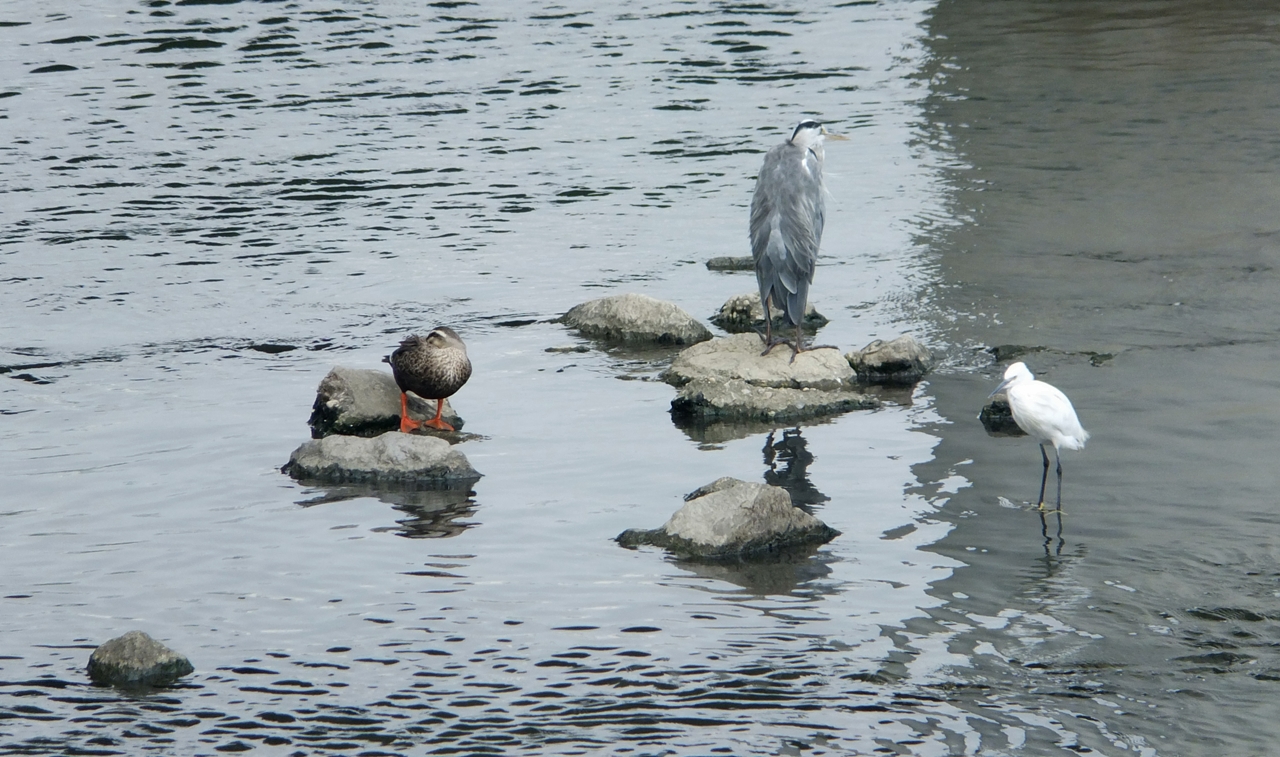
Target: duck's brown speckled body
[{"x": 432, "y": 367}]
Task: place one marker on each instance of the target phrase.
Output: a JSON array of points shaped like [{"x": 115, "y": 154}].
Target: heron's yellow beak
[{"x": 835, "y": 137}]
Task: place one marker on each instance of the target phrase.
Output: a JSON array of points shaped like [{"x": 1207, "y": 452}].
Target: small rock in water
[
  {"x": 729, "y": 380},
  {"x": 635, "y": 319},
  {"x": 136, "y": 660},
  {"x": 743, "y": 313},
  {"x": 997, "y": 418},
  {"x": 364, "y": 402},
  {"x": 900, "y": 361},
  {"x": 728, "y": 263},
  {"x": 731, "y": 519},
  {"x": 394, "y": 459}
]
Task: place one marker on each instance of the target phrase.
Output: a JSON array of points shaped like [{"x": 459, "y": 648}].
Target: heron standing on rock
[
  {"x": 787, "y": 212},
  {"x": 432, "y": 367},
  {"x": 1046, "y": 415}
]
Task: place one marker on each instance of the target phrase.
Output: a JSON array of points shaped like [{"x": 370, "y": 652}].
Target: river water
[{"x": 207, "y": 205}]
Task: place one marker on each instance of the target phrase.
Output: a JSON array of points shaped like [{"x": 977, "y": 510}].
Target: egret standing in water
[
  {"x": 432, "y": 367},
  {"x": 1046, "y": 415},
  {"x": 787, "y": 212}
]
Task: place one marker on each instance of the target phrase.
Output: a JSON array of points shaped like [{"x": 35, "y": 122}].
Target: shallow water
[{"x": 207, "y": 206}]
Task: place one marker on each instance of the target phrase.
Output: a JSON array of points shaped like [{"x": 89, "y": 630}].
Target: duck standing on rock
[
  {"x": 432, "y": 367},
  {"x": 787, "y": 213}
]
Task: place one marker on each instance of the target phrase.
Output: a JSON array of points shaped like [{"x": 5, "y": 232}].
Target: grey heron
[{"x": 787, "y": 213}]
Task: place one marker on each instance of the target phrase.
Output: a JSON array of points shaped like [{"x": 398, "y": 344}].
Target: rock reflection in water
[
  {"x": 781, "y": 577},
  {"x": 432, "y": 513}
]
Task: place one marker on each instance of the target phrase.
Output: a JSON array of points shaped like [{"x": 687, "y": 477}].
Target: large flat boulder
[
  {"x": 728, "y": 380},
  {"x": 743, "y": 313},
  {"x": 395, "y": 459},
  {"x": 731, "y": 519},
  {"x": 136, "y": 660},
  {"x": 635, "y": 319},
  {"x": 898, "y": 361},
  {"x": 364, "y": 402}
]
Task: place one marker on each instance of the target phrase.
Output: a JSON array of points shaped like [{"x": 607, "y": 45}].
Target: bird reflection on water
[{"x": 792, "y": 453}]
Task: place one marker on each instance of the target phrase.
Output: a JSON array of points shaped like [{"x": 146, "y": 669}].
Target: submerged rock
[
  {"x": 743, "y": 313},
  {"x": 397, "y": 459},
  {"x": 635, "y": 319},
  {"x": 731, "y": 519},
  {"x": 728, "y": 263},
  {"x": 729, "y": 380},
  {"x": 364, "y": 402},
  {"x": 900, "y": 361},
  {"x": 136, "y": 660}
]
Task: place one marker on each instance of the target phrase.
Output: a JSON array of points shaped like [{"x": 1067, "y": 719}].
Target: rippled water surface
[{"x": 208, "y": 205}]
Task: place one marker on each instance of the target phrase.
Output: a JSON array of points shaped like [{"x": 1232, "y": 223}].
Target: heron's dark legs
[
  {"x": 769, "y": 343},
  {"x": 407, "y": 424},
  {"x": 798, "y": 346}
]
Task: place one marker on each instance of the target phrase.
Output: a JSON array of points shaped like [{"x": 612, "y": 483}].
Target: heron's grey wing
[{"x": 786, "y": 226}]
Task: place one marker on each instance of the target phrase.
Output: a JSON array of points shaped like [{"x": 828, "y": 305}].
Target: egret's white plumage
[{"x": 1045, "y": 414}]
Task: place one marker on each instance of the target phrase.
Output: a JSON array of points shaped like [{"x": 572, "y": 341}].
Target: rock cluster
[
  {"x": 635, "y": 319},
  {"x": 731, "y": 519},
  {"x": 355, "y": 423},
  {"x": 136, "y": 660}
]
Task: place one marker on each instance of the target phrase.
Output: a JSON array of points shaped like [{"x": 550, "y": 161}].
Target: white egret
[{"x": 1046, "y": 415}]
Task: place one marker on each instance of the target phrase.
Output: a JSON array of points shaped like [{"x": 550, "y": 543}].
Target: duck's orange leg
[
  {"x": 407, "y": 424},
  {"x": 436, "y": 422}
]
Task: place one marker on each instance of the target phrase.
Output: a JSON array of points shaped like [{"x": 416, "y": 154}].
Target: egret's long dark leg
[
  {"x": 1044, "y": 479},
  {"x": 1058, "y": 456}
]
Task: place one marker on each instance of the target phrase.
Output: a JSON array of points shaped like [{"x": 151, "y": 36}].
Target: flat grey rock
[
  {"x": 738, "y": 356},
  {"x": 735, "y": 520},
  {"x": 393, "y": 458},
  {"x": 743, "y": 313},
  {"x": 900, "y": 361},
  {"x": 365, "y": 402},
  {"x": 136, "y": 660},
  {"x": 635, "y": 319},
  {"x": 731, "y": 263},
  {"x": 728, "y": 380}
]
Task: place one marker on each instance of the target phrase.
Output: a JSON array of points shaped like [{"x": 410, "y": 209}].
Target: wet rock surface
[
  {"x": 743, "y": 313},
  {"x": 731, "y": 263},
  {"x": 728, "y": 380},
  {"x": 731, "y": 520},
  {"x": 392, "y": 459},
  {"x": 997, "y": 418},
  {"x": 635, "y": 319},
  {"x": 899, "y": 361},
  {"x": 136, "y": 660},
  {"x": 365, "y": 402}
]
